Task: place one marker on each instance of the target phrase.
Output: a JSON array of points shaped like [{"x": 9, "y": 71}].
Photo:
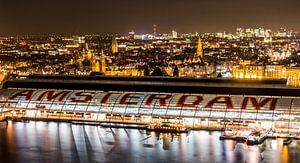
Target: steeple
[
  {"x": 89, "y": 53},
  {"x": 102, "y": 62},
  {"x": 199, "y": 49},
  {"x": 114, "y": 46}
]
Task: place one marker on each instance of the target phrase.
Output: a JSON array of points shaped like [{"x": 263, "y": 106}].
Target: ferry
[{"x": 257, "y": 137}]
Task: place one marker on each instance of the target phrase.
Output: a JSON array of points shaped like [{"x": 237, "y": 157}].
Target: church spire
[
  {"x": 102, "y": 62},
  {"x": 89, "y": 54},
  {"x": 199, "y": 49}
]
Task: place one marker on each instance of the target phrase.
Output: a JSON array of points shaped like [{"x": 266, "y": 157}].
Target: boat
[
  {"x": 85, "y": 123},
  {"x": 19, "y": 119},
  {"x": 121, "y": 125},
  {"x": 242, "y": 136},
  {"x": 257, "y": 137},
  {"x": 228, "y": 134},
  {"x": 288, "y": 141},
  {"x": 168, "y": 128}
]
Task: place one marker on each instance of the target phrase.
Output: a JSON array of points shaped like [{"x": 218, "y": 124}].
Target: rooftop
[{"x": 156, "y": 84}]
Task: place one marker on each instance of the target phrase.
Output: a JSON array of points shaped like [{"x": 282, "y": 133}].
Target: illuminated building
[
  {"x": 174, "y": 34},
  {"x": 199, "y": 49},
  {"x": 154, "y": 30},
  {"x": 279, "y": 55},
  {"x": 192, "y": 102},
  {"x": 99, "y": 65},
  {"x": 102, "y": 62},
  {"x": 114, "y": 46},
  {"x": 95, "y": 66},
  {"x": 88, "y": 54},
  {"x": 292, "y": 74}
]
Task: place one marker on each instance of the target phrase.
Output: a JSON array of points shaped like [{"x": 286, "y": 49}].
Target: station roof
[{"x": 156, "y": 84}]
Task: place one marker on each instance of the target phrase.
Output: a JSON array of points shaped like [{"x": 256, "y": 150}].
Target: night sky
[{"x": 121, "y": 16}]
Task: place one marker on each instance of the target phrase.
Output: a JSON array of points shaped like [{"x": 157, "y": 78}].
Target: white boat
[
  {"x": 228, "y": 134},
  {"x": 257, "y": 137},
  {"x": 288, "y": 141},
  {"x": 242, "y": 136}
]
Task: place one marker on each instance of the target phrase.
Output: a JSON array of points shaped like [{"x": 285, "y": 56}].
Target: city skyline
[{"x": 72, "y": 17}]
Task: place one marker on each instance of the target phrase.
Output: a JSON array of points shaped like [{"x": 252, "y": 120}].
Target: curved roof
[
  {"x": 152, "y": 103},
  {"x": 157, "y": 84}
]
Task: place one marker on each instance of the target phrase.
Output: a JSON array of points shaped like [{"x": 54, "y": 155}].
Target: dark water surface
[{"x": 64, "y": 142}]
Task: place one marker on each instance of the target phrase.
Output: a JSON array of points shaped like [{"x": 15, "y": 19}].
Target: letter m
[
  {"x": 51, "y": 95},
  {"x": 262, "y": 103}
]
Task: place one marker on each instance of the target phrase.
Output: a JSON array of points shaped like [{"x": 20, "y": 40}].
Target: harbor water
[{"x": 66, "y": 142}]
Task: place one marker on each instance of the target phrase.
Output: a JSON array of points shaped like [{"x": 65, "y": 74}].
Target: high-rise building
[
  {"x": 174, "y": 34},
  {"x": 154, "y": 30},
  {"x": 114, "y": 46}
]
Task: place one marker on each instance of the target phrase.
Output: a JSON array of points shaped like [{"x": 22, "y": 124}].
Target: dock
[{"x": 256, "y": 137}]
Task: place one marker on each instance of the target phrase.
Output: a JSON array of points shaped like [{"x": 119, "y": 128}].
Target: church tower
[
  {"x": 89, "y": 54},
  {"x": 199, "y": 49},
  {"x": 114, "y": 46},
  {"x": 102, "y": 62},
  {"x": 200, "y": 52}
]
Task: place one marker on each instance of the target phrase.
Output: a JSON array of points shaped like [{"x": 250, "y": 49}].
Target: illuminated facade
[
  {"x": 114, "y": 46},
  {"x": 102, "y": 62},
  {"x": 292, "y": 74},
  {"x": 194, "y": 110},
  {"x": 199, "y": 49}
]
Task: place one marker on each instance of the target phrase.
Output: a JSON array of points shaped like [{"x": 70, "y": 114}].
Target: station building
[{"x": 197, "y": 103}]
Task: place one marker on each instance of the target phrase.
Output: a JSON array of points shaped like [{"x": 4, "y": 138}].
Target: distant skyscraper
[
  {"x": 174, "y": 34},
  {"x": 154, "y": 29},
  {"x": 114, "y": 46}
]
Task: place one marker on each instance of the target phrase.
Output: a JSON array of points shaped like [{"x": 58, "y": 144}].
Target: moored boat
[
  {"x": 168, "y": 128},
  {"x": 288, "y": 141}
]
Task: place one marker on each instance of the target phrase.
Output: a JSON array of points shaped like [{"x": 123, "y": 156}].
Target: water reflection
[{"x": 64, "y": 142}]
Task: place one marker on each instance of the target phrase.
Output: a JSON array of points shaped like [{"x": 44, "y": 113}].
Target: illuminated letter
[
  {"x": 183, "y": 98},
  {"x": 129, "y": 96},
  {"x": 87, "y": 97},
  {"x": 51, "y": 96},
  {"x": 26, "y": 93},
  {"x": 260, "y": 104},
  {"x": 162, "y": 100},
  {"x": 227, "y": 101}
]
